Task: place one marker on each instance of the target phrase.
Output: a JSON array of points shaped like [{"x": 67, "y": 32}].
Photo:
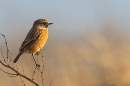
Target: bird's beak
[{"x": 50, "y": 23}]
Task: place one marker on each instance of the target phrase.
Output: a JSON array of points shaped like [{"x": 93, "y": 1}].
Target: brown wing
[{"x": 32, "y": 35}]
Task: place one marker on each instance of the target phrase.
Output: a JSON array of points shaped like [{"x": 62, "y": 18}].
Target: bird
[{"x": 35, "y": 39}]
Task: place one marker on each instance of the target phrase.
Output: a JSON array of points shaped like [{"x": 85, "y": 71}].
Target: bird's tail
[{"x": 15, "y": 60}]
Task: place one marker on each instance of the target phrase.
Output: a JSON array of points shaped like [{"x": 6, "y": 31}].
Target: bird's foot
[
  {"x": 37, "y": 66},
  {"x": 37, "y": 53}
]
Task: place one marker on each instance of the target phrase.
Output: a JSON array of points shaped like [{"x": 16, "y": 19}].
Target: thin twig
[
  {"x": 49, "y": 76},
  {"x": 22, "y": 81},
  {"x": 6, "y": 45},
  {"x": 41, "y": 71},
  {"x": 8, "y": 73},
  {"x": 34, "y": 73},
  {"x": 2, "y": 54},
  {"x": 34, "y": 70},
  {"x": 18, "y": 73},
  {"x": 23, "y": 71},
  {"x": 21, "y": 77},
  {"x": 10, "y": 57}
]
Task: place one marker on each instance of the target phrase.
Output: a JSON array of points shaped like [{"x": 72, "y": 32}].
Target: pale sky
[{"x": 67, "y": 15}]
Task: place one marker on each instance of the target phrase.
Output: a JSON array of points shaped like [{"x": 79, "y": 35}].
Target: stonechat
[{"x": 35, "y": 39}]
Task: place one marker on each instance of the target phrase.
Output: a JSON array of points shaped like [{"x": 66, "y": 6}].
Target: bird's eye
[{"x": 44, "y": 23}]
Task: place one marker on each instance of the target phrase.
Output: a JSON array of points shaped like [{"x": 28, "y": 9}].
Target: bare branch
[
  {"x": 21, "y": 78},
  {"x": 23, "y": 71},
  {"x": 18, "y": 73},
  {"x": 34, "y": 73},
  {"x": 6, "y": 46},
  {"x": 2, "y": 54},
  {"x": 22, "y": 81},
  {"x": 49, "y": 76},
  {"x": 41, "y": 71},
  {"x": 8, "y": 72}
]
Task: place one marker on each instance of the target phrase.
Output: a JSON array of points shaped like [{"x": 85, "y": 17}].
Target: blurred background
[{"x": 88, "y": 45}]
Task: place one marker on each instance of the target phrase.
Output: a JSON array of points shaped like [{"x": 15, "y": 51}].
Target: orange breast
[
  {"x": 43, "y": 38},
  {"x": 41, "y": 41}
]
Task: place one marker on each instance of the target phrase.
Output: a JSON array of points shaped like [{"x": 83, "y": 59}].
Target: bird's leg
[
  {"x": 37, "y": 65},
  {"x": 37, "y": 53}
]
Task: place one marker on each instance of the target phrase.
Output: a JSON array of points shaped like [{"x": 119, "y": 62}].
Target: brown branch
[
  {"x": 22, "y": 81},
  {"x": 21, "y": 77},
  {"x": 49, "y": 76},
  {"x": 10, "y": 57},
  {"x": 6, "y": 46},
  {"x": 2, "y": 54},
  {"x": 23, "y": 71},
  {"x": 8, "y": 72},
  {"x": 41, "y": 71},
  {"x": 34, "y": 73},
  {"x": 18, "y": 73}
]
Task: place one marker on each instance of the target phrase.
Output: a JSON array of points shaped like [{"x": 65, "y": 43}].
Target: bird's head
[{"x": 42, "y": 23}]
